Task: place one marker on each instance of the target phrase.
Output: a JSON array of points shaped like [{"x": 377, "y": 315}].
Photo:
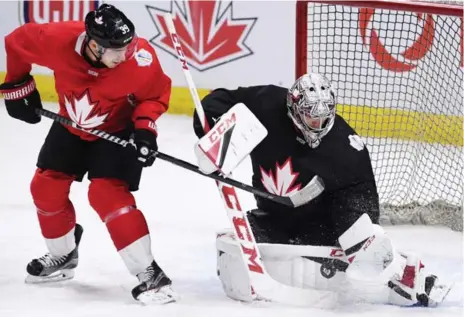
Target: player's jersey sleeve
[
  {"x": 29, "y": 44},
  {"x": 153, "y": 95},
  {"x": 220, "y": 100}
]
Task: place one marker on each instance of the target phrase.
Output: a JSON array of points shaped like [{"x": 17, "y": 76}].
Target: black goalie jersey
[{"x": 283, "y": 163}]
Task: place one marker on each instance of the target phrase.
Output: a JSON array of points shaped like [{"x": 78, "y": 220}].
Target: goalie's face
[
  {"x": 311, "y": 104},
  {"x": 315, "y": 123}
]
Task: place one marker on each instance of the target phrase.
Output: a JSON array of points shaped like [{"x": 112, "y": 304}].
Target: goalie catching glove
[{"x": 229, "y": 141}]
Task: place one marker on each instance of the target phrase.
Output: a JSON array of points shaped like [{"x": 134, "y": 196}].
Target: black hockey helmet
[{"x": 109, "y": 27}]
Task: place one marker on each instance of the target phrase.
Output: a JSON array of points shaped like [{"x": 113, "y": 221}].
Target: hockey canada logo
[
  {"x": 209, "y": 33},
  {"x": 283, "y": 182},
  {"x": 36, "y": 11},
  {"x": 84, "y": 112},
  {"x": 406, "y": 57}
]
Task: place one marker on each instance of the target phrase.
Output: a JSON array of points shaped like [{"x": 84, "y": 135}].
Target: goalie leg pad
[
  {"x": 284, "y": 263},
  {"x": 230, "y": 268}
]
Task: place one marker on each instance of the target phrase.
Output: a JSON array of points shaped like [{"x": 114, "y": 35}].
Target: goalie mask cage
[{"x": 397, "y": 70}]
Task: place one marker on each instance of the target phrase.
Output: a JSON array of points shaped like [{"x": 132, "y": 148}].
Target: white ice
[{"x": 184, "y": 212}]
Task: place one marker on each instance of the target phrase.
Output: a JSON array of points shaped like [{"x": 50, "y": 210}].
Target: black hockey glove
[
  {"x": 143, "y": 144},
  {"x": 21, "y": 100}
]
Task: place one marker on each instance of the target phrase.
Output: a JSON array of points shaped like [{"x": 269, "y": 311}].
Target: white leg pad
[
  {"x": 234, "y": 277},
  {"x": 137, "y": 256},
  {"x": 63, "y": 245},
  {"x": 289, "y": 268}
]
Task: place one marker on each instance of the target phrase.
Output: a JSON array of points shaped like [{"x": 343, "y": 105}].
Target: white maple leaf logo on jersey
[
  {"x": 84, "y": 112},
  {"x": 283, "y": 182}
]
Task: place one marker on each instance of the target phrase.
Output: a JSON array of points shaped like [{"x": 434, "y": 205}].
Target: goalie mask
[{"x": 311, "y": 106}]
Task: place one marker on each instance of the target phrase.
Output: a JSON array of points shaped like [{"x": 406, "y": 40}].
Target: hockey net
[{"x": 397, "y": 70}]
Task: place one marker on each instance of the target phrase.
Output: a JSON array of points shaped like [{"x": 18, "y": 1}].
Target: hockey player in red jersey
[{"x": 106, "y": 78}]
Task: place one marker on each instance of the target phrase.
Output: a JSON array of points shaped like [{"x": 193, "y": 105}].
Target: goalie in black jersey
[{"x": 346, "y": 249}]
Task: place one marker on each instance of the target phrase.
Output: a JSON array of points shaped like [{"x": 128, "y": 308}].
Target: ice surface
[{"x": 184, "y": 212}]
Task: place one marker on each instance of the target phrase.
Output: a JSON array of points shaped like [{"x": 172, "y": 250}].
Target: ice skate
[
  {"x": 49, "y": 268},
  {"x": 154, "y": 287}
]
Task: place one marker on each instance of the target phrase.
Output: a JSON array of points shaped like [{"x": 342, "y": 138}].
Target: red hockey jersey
[{"x": 101, "y": 98}]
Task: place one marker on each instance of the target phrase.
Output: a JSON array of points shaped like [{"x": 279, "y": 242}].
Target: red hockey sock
[
  {"x": 55, "y": 225},
  {"x": 115, "y": 205},
  {"x": 50, "y": 192},
  {"x": 127, "y": 227}
]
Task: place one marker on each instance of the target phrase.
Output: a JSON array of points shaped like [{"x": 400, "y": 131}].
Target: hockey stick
[
  {"x": 263, "y": 285},
  {"x": 329, "y": 257},
  {"x": 295, "y": 200}
]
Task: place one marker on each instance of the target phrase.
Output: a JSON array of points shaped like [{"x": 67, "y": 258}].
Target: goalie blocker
[{"x": 229, "y": 141}]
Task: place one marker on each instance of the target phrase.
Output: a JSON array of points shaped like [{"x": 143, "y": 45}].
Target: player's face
[{"x": 112, "y": 57}]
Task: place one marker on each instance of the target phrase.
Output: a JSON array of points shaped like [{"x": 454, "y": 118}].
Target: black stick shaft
[{"x": 104, "y": 135}]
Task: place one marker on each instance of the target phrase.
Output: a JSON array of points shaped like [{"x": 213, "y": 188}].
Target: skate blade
[
  {"x": 59, "y": 276},
  {"x": 161, "y": 296}
]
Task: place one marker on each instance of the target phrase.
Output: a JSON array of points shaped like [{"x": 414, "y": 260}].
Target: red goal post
[{"x": 397, "y": 67}]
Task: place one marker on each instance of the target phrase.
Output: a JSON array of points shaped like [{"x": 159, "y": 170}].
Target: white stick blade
[{"x": 314, "y": 188}]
